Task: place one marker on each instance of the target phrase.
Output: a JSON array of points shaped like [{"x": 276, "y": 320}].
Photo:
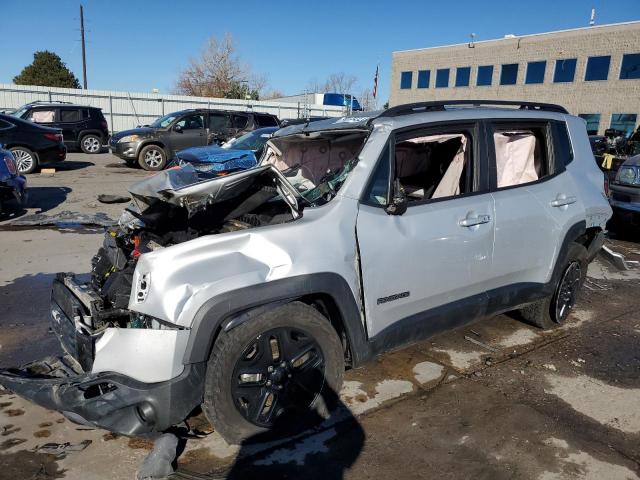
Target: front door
[
  {"x": 437, "y": 254},
  {"x": 190, "y": 132}
]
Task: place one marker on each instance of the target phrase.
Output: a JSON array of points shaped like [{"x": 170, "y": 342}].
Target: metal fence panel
[{"x": 124, "y": 110}]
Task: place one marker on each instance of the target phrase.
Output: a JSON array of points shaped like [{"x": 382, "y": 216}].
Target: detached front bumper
[
  {"x": 110, "y": 401},
  {"x": 77, "y": 386}
]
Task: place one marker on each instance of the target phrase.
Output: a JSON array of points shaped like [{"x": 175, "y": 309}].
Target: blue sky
[{"x": 140, "y": 45}]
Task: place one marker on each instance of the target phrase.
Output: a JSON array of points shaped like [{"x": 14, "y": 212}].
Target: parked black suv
[
  {"x": 82, "y": 127},
  {"x": 152, "y": 145},
  {"x": 32, "y": 145}
]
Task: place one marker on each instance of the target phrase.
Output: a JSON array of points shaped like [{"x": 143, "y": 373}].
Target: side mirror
[
  {"x": 177, "y": 128},
  {"x": 398, "y": 203}
]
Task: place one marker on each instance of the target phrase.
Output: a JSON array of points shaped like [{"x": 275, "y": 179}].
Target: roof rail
[
  {"x": 48, "y": 102},
  {"x": 439, "y": 106}
]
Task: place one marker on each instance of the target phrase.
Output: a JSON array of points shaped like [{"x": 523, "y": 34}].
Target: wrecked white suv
[{"x": 248, "y": 294}]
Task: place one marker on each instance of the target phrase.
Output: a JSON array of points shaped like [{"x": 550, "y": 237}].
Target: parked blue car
[
  {"x": 239, "y": 153},
  {"x": 12, "y": 185}
]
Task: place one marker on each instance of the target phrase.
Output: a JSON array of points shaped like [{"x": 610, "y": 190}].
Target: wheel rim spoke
[{"x": 279, "y": 370}]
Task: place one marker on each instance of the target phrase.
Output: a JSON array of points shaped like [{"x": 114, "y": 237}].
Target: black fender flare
[
  {"x": 91, "y": 131},
  {"x": 218, "y": 311}
]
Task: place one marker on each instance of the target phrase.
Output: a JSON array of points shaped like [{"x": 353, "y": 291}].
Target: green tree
[{"x": 47, "y": 70}]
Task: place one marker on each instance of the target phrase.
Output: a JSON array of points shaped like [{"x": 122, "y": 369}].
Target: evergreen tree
[{"x": 47, "y": 70}]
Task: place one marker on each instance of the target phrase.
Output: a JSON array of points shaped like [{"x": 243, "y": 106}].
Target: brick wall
[{"x": 603, "y": 97}]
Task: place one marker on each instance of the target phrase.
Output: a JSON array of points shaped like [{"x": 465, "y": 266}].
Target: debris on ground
[
  {"x": 479, "y": 343},
  {"x": 550, "y": 366},
  {"x": 158, "y": 464},
  {"x": 47, "y": 172},
  {"x": 64, "y": 219},
  {"x": 60, "y": 450},
  {"x": 106, "y": 198}
]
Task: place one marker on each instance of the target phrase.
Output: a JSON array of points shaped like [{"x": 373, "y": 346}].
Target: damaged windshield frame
[{"x": 331, "y": 182}]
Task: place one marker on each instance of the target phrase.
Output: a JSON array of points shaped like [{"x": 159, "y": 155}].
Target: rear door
[
  {"x": 536, "y": 203},
  {"x": 70, "y": 121},
  {"x": 217, "y": 127},
  {"x": 427, "y": 268}
]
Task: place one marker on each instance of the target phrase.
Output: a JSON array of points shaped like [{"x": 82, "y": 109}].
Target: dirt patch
[
  {"x": 10, "y": 443},
  {"x": 201, "y": 460},
  {"x": 4, "y": 405},
  {"x": 14, "y": 412},
  {"x": 45, "y": 425},
  {"x": 42, "y": 434},
  {"x": 9, "y": 429},
  {"x": 107, "y": 437},
  {"x": 140, "y": 444},
  {"x": 60, "y": 420},
  {"x": 29, "y": 466}
]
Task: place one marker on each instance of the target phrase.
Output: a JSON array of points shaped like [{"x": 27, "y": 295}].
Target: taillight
[
  {"x": 56, "y": 137},
  {"x": 11, "y": 164},
  {"x": 606, "y": 185},
  {"x": 104, "y": 124}
]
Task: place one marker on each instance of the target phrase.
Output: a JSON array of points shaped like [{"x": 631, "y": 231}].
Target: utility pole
[{"x": 84, "y": 57}]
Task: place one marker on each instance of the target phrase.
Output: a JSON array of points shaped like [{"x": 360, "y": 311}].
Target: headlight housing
[
  {"x": 129, "y": 138},
  {"x": 628, "y": 175}
]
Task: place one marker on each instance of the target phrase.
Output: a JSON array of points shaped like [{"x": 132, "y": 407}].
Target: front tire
[
  {"x": 554, "y": 310},
  {"x": 26, "y": 160},
  {"x": 91, "y": 144},
  {"x": 287, "y": 360},
  {"x": 152, "y": 158}
]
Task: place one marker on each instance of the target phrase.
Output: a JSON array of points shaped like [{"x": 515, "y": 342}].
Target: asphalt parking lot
[{"x": 496, "y": 399}]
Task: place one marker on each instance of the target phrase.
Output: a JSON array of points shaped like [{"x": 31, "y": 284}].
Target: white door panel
[{"x": 424, "y": 258}]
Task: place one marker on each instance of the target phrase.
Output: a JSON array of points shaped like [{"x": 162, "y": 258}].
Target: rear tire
[
  {"x": 91, "y": 144},
  {"x": 554, "y": 310},
  {"x": 152, "y": 158},
  {"x": 235, "y": 403},
  {"x": 26, "y": 160}
]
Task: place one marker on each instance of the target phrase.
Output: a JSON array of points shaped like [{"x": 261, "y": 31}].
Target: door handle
[
  {"x": 472, "y": 221},
  {"x": 562, "y": 201}
]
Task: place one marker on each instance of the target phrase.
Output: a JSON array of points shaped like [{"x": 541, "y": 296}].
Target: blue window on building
[
  {"x": 406, "y": 79},
  {"x": 509, "y": 74},
  {"x": 535, "y": 72},
  {"x": 565, "y": 70},
  {"x": 442, "y": 78},
  {"x": 424, "y": 77},
  {"x": 463, "y": 74},
  {"x": 593, "y": 122},
  {"x": 597, "y": 68},
  {"x": 485, "y": 75},
  {"x": 624, "y": 121},
  {"x": 630, "y": 66}
]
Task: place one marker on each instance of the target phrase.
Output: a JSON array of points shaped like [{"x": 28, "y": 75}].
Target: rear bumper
[
  {"x": 85, "y": 391},
  {"x": 52, "y": 154},
  {"x": 110, "y": 401}
]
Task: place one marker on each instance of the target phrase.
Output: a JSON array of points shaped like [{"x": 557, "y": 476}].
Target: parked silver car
[{"x": 248, "y": 294}]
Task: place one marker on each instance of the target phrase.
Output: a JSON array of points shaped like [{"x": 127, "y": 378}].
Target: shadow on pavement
[
  {"x": 70, "y": 165},
  {"x": 314, "y": 454},
  {"x": 46, "y": 198}
]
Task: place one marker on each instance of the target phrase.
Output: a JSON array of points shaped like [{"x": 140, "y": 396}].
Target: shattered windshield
[{"x": 317, "y": 166}]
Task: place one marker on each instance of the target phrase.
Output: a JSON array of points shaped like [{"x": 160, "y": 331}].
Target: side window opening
[
  {"x": 192, "y": 122},
  {"x": 434, "y": 166},
  {"x": 69, "y": 116},
  {"x": 42, "y": 116},
  {"x": 240, "y": 121},
  {"x": 521, "y": 155}
]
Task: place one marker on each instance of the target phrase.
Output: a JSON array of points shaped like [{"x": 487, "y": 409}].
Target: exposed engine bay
[{"x": 182, "y": 204}]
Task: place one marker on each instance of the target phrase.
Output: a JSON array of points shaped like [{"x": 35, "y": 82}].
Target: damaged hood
[
  {"x": 217, "y": 159},
  {"x": 186, "y": 187}
]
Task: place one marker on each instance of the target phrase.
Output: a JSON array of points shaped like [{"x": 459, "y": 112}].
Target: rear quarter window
[{"x": 563, "y": 147}]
